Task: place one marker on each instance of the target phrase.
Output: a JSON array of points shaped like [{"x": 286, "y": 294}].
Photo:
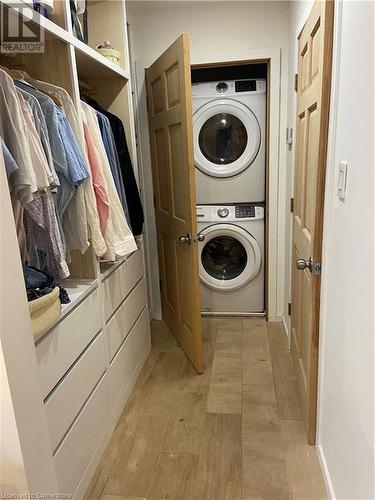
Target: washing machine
[
  {"x": 231, "y": 258},
  {"x": 229, "y": 128}
]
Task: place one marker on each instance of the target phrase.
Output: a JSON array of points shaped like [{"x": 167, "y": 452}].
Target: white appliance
[
  {"x": 229, "y": 125},
  {"x": 231, "y": 258}
]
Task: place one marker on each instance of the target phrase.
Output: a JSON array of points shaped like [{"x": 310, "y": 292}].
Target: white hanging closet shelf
[{"x": 92, "y": 62}]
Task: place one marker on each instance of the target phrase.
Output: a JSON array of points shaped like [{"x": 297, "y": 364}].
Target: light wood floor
[{"x": 234, "y": 433}]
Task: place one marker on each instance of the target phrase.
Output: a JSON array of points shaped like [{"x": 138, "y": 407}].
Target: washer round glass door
[
  {"x": 229, "y": 257},
  {"x": 227, "y": 138}
]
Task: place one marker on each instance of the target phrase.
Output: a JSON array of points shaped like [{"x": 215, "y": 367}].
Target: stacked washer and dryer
[{"x": 229, "y": 123}]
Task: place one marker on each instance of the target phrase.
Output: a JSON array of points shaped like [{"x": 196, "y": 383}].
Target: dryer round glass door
[
  {"x": 229, "y": 257},
  {"x": 227, "y": 138}
]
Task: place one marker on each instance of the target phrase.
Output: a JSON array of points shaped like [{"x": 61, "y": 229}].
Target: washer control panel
[
  {"x": 229, "y": 213},
  {"x": 245, "y": 211}
]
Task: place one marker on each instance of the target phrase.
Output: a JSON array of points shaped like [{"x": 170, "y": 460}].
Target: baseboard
[
  {"x": 285, "y": 328},
  {"x": 112, "y": 419},
  {"x": 325, "y": 472},
  {"x": 225, "y": 314}
]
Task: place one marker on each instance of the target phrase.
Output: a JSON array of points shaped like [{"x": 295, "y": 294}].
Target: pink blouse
[{"x": 100, "y": 188}]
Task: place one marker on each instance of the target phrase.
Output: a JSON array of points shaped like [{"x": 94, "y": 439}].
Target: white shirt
[{"x": 14, "y": 132}]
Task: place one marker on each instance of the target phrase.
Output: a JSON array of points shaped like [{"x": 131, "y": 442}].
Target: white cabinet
[
  {"x": 125, "y": 361},
  {"x": 124, "y": 318},
  {"x": 75, "y": 451},
  {"x": 118, "y": 284},
  {"x": 59, "y": 349},
  {"x": 68, "y": 398}
]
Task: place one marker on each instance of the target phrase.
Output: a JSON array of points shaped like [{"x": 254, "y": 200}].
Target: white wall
[
  {"x": 346, "y": 387},
  {"x": 233, "y": 28}
]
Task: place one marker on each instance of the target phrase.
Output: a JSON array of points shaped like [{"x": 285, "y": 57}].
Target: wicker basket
[
  {"x": 111, "y": 54},
  {"x": 45, "y": 311}
]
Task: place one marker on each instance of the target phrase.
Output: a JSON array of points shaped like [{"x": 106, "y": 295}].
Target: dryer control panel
[{"x": 229, "y": 213}]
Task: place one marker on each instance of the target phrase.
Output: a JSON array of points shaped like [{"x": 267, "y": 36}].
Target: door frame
[{"x": 275, "y": 189}]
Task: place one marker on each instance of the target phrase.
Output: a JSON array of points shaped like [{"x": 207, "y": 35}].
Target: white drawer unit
[
  {"x": 118, "y": 284},
  {"x": 58, "y": 350},
  {"x": 125, "y": 317},
  {"x": 78, "y": 446},
  {"x": 68, "y": 398},
  {"x": 125, "y": 361}
]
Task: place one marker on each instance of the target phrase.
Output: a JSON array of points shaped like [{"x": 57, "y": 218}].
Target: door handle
[
  {"x": 302, "y": 264},
  {"x": 185, "y": 239}
]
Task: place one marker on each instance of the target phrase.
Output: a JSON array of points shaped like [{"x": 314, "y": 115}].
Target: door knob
[
  {"x": 302, "y": 264},
  {"x": 185, "y": 240},
  {"x": 201, "y": 237}
]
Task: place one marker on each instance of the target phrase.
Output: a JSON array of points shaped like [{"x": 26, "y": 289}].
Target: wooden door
[
  {"x": 313, "y": 92},
  {"x": 172, "y": 158}
]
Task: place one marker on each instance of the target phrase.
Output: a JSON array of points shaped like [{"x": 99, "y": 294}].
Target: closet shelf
[
  {"x": 90, "y": 63},
  {"x": 52, "y": 30}
]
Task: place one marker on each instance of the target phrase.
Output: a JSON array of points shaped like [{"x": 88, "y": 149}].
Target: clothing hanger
[
  {"x": 7, "y": 70},
  {"x": 24, "y": 76}
]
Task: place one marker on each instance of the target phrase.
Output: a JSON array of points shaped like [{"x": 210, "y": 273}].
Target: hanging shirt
[
  {"x": 10, "y": 165},
  {"x": 110, "y": 149},
  {"x": 130, "y": 184},
  {"x": 77, "y": 229},
  {"x": 13, "y": 131},
  {"x": 44, "y": 237},
  {"x": 100, "y": 187},
  {"x": 41, "y": 127},
  {"x": 40, "y": 165},
  {"x": 118, "y": 237}
]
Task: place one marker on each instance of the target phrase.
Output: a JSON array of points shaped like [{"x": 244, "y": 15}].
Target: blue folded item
[{"x": 39, "y": 283}]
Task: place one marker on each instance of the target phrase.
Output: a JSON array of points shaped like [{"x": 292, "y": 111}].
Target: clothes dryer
[{"x": 229, "y": 125}]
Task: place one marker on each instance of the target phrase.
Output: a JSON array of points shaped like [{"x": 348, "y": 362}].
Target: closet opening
[
  {"x": 209, "y": 143},
  {"x": 245, "y": 80}
]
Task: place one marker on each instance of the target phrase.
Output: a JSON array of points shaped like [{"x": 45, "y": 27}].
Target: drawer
[
  {"x": 70, "y": 395},
  {"x": 118, "y": 284},
  {"x": 125, "y": 317},
  {"x": 126, "y": 360},
  {"x": 60, "y": 348},
  {"x": 75, "y": 452}
]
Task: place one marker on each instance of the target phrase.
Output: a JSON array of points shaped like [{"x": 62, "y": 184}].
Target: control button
[
  {"x": 223, "y": 212},
  {"x": 222, "y": 87}
]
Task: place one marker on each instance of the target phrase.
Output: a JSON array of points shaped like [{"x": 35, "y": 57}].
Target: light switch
[{"x": 341, "y": 181}]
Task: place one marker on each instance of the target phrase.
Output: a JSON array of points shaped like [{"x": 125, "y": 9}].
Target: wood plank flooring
[{"x": 234, "y": 433}]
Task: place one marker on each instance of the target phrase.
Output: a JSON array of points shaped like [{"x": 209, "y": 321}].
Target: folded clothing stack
[{"x": 39, "y": 283}]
